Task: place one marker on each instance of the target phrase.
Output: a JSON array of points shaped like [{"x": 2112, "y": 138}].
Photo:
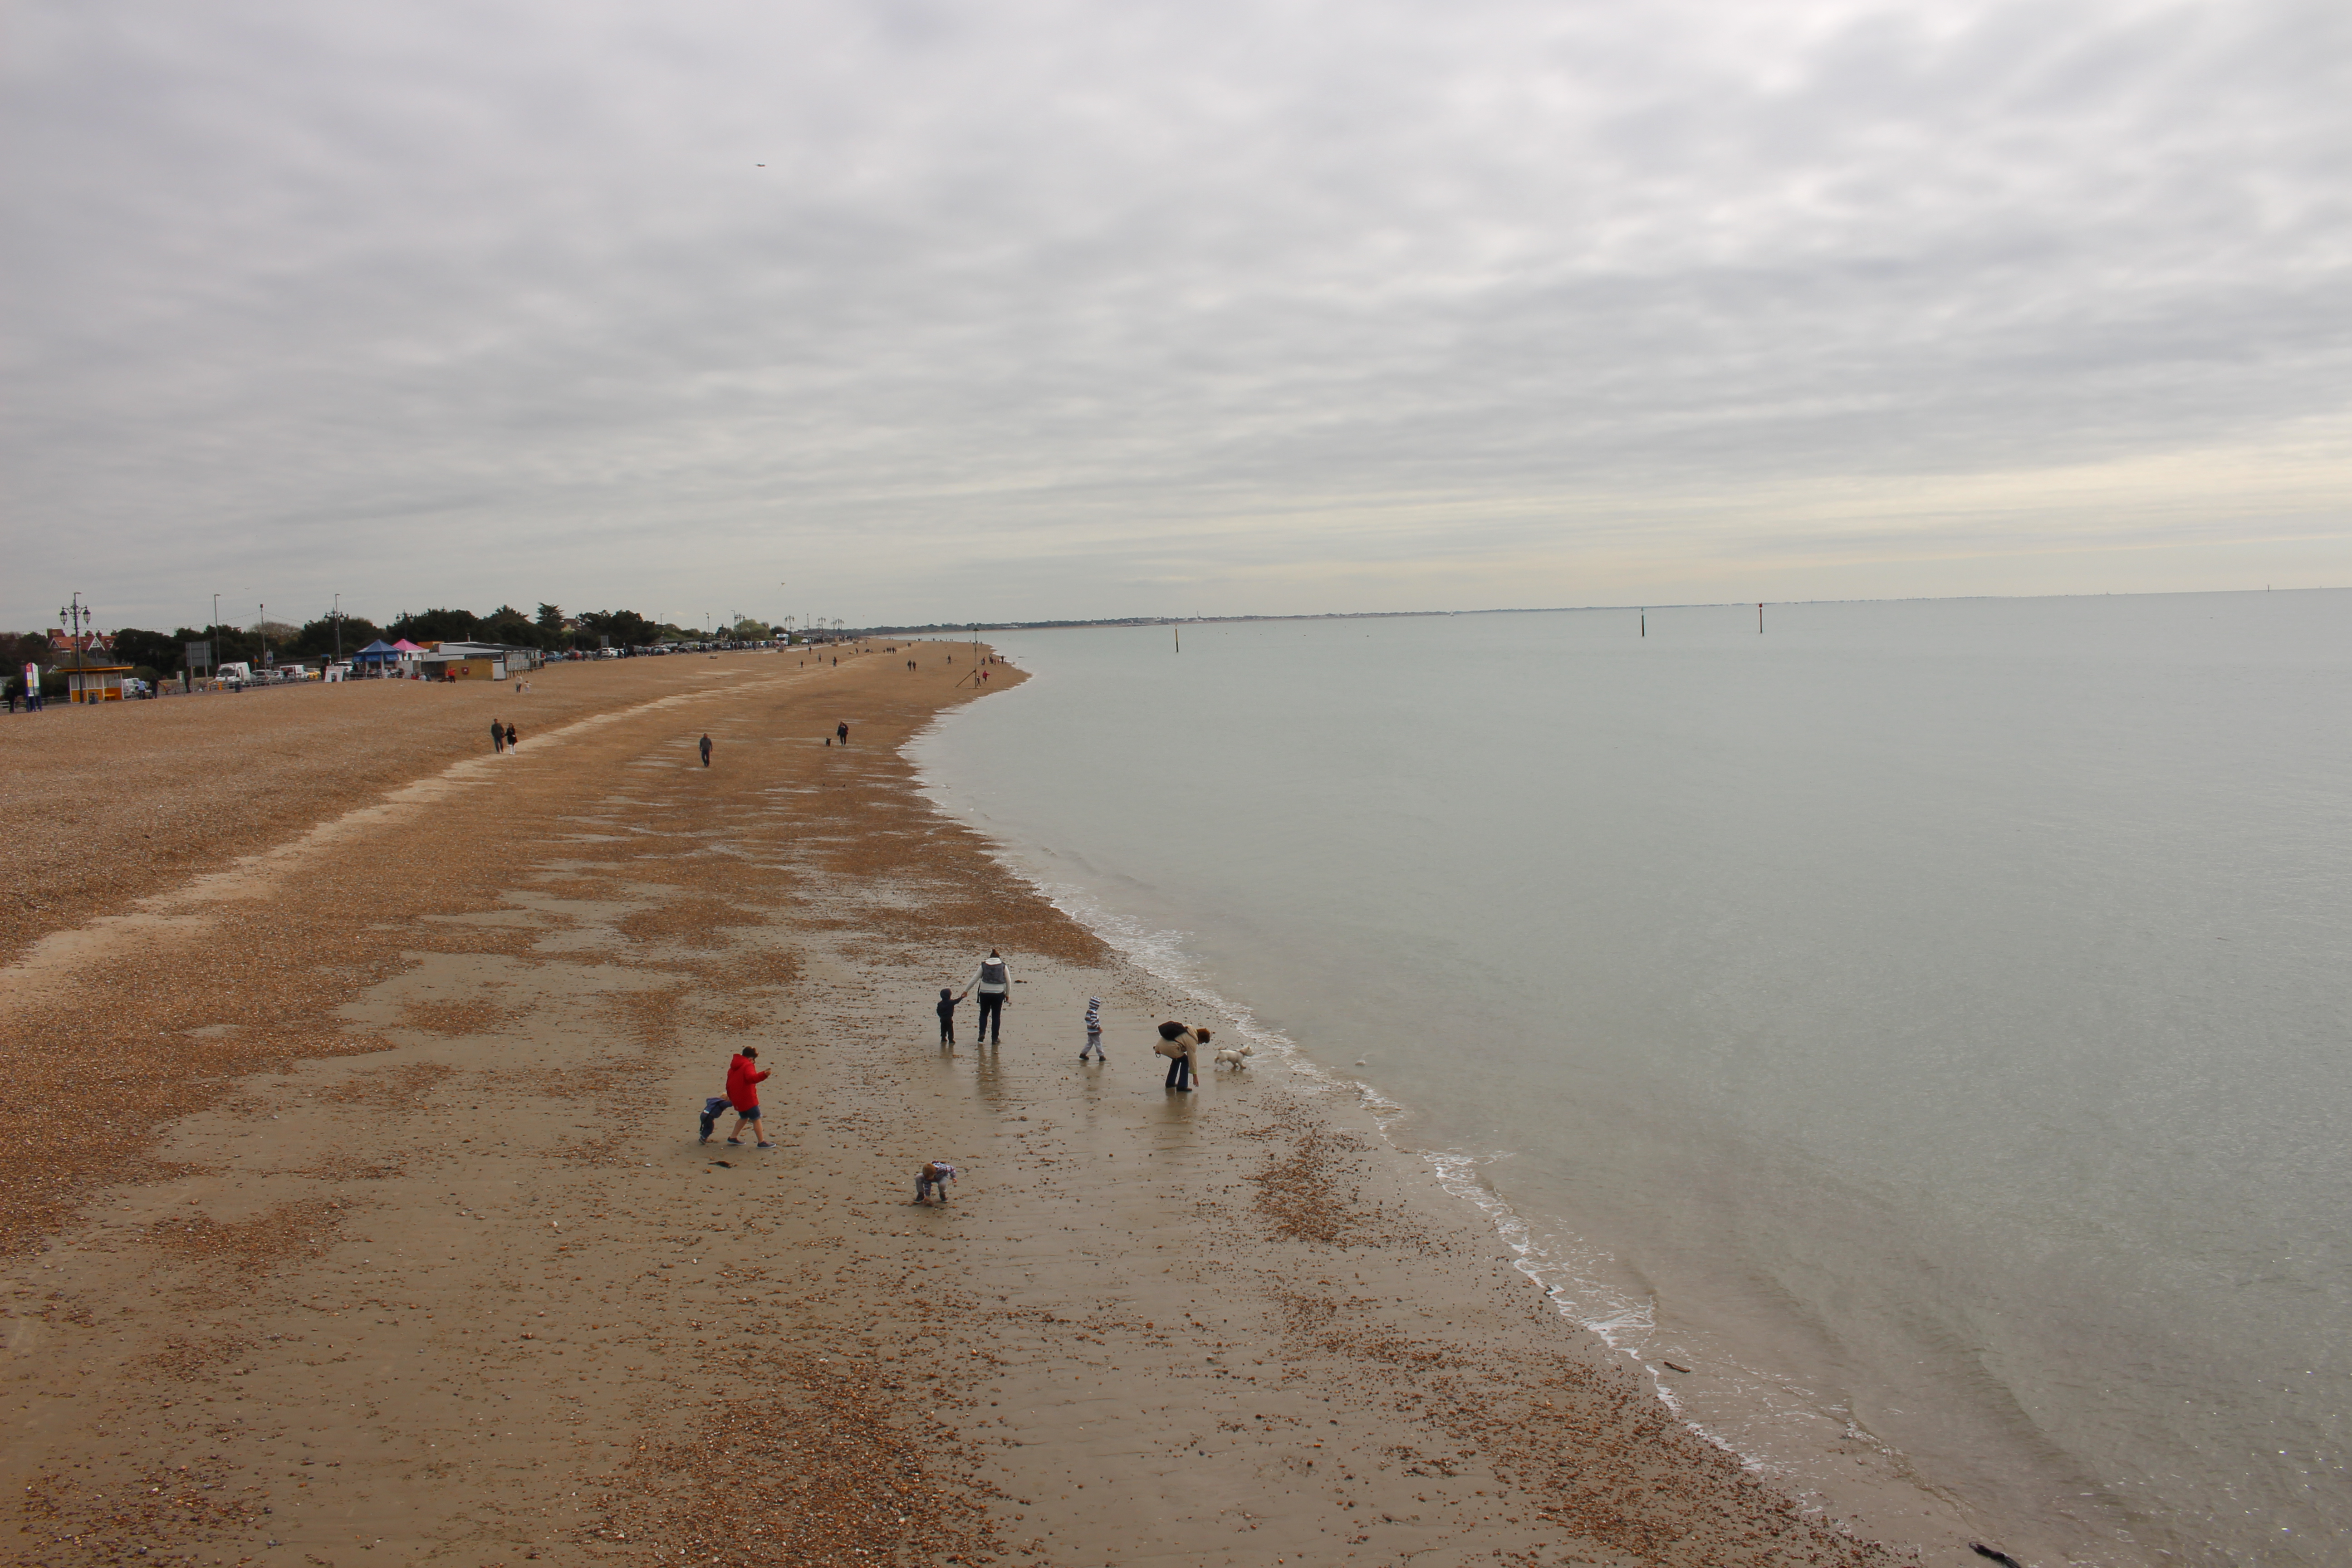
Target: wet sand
[{"x": 356, "y": 1214}]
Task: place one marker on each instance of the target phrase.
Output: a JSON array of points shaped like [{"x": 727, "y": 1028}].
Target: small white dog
[{"x": 1234, "y": 1055}]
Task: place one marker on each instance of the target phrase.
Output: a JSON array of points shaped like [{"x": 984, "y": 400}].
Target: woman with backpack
[
  {"x": 1179, "y": 1044},
  {"x": 991, "y": 984}
]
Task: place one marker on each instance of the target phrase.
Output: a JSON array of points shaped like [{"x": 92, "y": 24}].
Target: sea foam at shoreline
[{"x": 1925, "y": 1005}]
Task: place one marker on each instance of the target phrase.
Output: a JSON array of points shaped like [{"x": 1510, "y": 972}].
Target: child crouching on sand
[{"x": 933, "y": 1177}]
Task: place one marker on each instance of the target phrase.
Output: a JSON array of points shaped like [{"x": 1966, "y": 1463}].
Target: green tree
[
  {"x": 435, "y": 626},
  {"x": 154, "y": 649},
  {"x": 507, "y": 625},
  {"x": 231, "y": 645},
  {"x": 625, "y": 627},
  {"x": 317, "y": 639}
]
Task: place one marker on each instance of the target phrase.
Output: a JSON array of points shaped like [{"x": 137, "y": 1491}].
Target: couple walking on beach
[
  {"x": 994, "y": 984},
  {"x": 502, "y": 737}
]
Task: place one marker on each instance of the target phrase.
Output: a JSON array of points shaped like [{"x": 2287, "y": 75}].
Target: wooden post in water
[
  {"x": 1180, "y": 637},
  {"x": 1645, "y": 620},
  {"x": 1760, "y": 620}
]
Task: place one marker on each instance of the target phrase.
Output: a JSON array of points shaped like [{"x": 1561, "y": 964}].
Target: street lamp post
[
  {"x": 339, "y": 629},
  {"x": 72, "y": 617}
]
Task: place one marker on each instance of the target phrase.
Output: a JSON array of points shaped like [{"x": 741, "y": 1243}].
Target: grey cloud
[{"x": 1050, "y": 307}]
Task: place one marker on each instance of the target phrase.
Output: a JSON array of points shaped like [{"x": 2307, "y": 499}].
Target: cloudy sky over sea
[{"x": 1015, "y": 309}]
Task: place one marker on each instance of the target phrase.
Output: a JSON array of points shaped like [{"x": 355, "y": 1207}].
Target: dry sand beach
[{"x": 354, "y": 1214}]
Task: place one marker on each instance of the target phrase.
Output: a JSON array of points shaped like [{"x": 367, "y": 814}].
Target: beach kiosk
[
  {"x": 466, "y": 661},
  {"x": 96, "y": 682},
  {"x": 86, "y": 681}
]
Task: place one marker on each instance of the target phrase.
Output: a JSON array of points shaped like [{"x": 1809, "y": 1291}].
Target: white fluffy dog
[{"x": 1234, "y": 1055}]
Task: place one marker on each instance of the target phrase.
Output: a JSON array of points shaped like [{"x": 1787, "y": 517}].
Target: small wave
[
  {"x": 1573, "y": 1274},
  {"x": 1569, "y": 1272}
]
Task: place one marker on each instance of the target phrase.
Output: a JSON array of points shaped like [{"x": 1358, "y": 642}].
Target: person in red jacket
[{"x": 744, "y": 1079}]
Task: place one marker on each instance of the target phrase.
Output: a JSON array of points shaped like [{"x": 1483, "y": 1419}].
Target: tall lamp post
[
  {"x": 72, "y": 619},
  {"x": 339, "y": 629}
]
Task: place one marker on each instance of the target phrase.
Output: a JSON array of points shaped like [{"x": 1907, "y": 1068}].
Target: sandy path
[
  {"x": 429, "y": 1267},
  {"x": 137, "y": 796}
]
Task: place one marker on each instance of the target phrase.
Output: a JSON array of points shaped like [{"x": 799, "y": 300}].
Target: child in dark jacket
[{"x": 947, "y": 1000}]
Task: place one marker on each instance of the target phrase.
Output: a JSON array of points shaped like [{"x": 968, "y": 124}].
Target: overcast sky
[{"x": 1004, "y": 310}]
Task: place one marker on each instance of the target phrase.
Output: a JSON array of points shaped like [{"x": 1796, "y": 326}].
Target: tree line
[{"x": 165, "y": 653}]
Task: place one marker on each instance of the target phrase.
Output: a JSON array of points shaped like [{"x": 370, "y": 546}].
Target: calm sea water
[{"x": 1933, "y": 1016}]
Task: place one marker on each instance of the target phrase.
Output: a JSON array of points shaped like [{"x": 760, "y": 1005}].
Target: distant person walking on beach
[
  {"x": 1094, "y": 1031},
  {"x": 497, "y": 737},
  {"x": 842, "y": 731},
  {"x": 744, "y": 1076},
  {"x": 1177, "y": 1044},
  {"x": 947, "y": 1000},
  {"x": 993, "y": 982},
  {"x": 510, "y": 738},
  {"x": 706, "y": 751}
]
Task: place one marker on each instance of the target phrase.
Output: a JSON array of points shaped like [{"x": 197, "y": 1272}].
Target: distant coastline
[{"x": 948, "y": 629}]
